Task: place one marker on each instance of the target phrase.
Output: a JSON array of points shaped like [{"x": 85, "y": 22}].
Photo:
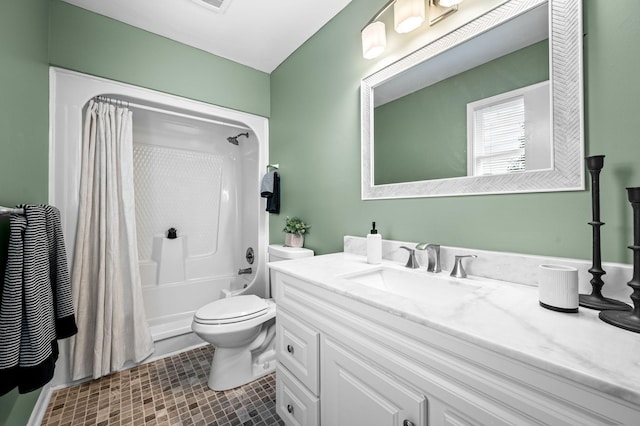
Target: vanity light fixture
[
  {"x": 440, "y": 9},
  {"x": 407, "y": 16}
]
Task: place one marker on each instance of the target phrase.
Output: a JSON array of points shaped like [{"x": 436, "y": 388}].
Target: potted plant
[{"x": 295, "y": 229}]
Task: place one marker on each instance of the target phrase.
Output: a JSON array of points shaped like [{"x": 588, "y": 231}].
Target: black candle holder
[
  {"x": 630, "y": 320},
  {"x": 596, "y": 300}
]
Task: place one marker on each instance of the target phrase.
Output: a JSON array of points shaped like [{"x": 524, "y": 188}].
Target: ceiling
[{"x": 259, "y": 34}]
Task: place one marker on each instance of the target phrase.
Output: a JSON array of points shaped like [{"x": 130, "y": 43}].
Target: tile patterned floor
[{"x": 170, "y": 391}]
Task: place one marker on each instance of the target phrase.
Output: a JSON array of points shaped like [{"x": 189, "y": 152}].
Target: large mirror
[{"x": 492, "y": 107}]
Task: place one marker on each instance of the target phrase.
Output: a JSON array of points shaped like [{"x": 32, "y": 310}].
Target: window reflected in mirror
[
  {"x": 424, "y": 135},
  {"x": 510, "y": 132}
]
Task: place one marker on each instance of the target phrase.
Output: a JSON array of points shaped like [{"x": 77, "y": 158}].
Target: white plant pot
[{"x": 293, "y": 240}]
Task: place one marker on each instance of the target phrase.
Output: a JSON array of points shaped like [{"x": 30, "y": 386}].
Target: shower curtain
[{"x": 107, "y": 291}]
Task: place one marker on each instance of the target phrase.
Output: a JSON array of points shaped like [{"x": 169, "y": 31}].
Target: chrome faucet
[
  {"x": 412, "y": 262},
  {"x": 458, "y": 271},
  {"x": 245, "y": 271},
  {"x": 433, "y": 253}
]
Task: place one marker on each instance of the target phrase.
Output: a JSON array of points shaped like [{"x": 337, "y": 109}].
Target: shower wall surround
[
  {"x": 189, "y": 177},
  {"x": 177, "y": 188}
]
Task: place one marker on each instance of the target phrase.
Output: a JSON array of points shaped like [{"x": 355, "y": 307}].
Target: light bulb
[
  {"x": 408, "y": 15},
  {"x": 374, "y": 40}
]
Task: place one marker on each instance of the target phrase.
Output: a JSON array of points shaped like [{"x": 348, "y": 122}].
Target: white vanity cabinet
[{"x": 345, "y": 362}]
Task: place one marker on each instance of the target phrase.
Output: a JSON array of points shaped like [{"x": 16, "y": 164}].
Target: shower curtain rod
[
  {"x": 165, "y": 111},
  {"x": 9, "y": 210}
]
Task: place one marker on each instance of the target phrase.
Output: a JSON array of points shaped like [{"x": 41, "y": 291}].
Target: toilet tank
[{"x": 278, "y": 252}]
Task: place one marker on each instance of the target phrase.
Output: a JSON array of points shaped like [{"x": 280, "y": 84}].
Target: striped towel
[{"x": 36, "y": 307}]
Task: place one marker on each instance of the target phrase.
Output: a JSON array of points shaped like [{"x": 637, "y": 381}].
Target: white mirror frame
[{"x": 565, "y": 71}]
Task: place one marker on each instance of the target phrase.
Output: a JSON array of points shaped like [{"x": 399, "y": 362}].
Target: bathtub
[{"x": 170, "y": 308}]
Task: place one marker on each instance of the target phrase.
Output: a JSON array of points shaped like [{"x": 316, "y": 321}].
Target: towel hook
[{"x": 272, "y": 167}]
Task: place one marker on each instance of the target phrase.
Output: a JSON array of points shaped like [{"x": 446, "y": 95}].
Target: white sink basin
[{"x": 417, "y": 284}]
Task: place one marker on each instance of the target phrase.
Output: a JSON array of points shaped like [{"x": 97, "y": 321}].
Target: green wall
[
  {"x": 316, "y": 140},
  {"x": 96, "y": 45},
  {"x": 24, "y": 109},
  {"x": 423, "y": 135}
]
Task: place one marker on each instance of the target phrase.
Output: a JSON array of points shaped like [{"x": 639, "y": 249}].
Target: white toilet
[{"x": 242, "y": 330}]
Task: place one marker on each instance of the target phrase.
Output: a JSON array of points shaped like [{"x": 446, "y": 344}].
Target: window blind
[{"x": 499, "y": 140}]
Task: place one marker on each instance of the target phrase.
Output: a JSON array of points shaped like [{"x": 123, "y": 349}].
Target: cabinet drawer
[
  {"x": 297, "y": 348},
  {"x": 294, "y": 404}
]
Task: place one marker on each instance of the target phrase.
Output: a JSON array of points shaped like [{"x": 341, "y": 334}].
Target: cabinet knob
[
  {"x": 290, "y": 408},
  {"x": 290, "y": 349},
  {"x": 407, "y": 423}
]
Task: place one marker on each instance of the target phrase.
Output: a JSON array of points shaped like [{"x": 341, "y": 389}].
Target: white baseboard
[{"x": 37, "y": 414}]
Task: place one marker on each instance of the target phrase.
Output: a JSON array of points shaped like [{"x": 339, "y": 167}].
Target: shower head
[{"x": 234, "y": 139}]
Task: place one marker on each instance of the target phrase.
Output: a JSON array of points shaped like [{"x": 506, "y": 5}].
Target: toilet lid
[{"x": 232, "y": 309}]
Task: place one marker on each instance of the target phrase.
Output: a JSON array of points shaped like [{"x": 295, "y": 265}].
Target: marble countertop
[{"x": 503, "y": 317}]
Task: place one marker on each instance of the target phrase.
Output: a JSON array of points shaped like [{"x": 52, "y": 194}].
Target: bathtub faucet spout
[{"x": 245, "y": 271}]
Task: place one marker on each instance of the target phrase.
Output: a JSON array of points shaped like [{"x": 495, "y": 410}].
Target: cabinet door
[{"x": 355, "y": 392}]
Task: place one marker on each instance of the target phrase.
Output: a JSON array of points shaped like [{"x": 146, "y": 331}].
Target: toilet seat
[{"x": 231, "y": 310}]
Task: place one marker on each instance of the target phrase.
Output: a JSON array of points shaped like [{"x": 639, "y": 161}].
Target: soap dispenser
[{"x": 374, "y": 246}]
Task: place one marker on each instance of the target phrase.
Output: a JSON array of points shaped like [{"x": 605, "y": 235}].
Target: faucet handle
[
  {"x": 412, "y": 262},
  {"x": 458, "y": 271}
]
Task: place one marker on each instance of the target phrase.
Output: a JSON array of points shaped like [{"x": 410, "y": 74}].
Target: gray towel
[
  {"x": 270, "y": 189},
  {"x": 266, "y": 189}
]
